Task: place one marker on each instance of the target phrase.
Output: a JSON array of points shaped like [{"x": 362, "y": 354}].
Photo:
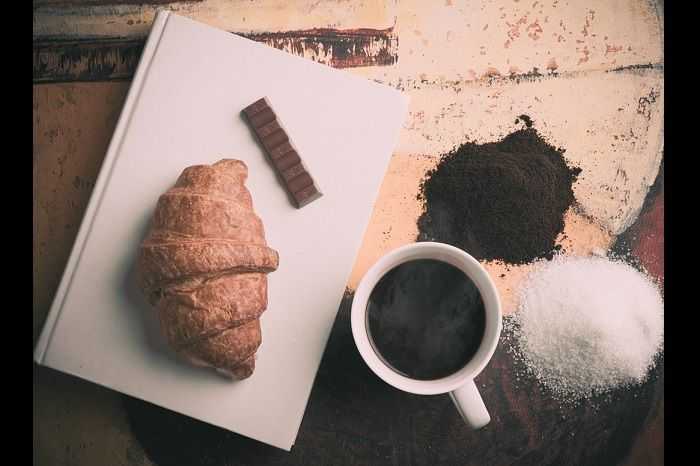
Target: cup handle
[{"x": 470, "y": 405}]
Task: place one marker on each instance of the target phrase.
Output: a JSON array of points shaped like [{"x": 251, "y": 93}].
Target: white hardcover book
[{"x": 183, "y": 109}]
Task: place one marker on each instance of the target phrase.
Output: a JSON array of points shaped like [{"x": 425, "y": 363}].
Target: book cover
[{"x": 183, "y": 109}]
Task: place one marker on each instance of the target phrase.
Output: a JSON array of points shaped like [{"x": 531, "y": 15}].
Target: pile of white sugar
[{"x": 587, "y": 325}]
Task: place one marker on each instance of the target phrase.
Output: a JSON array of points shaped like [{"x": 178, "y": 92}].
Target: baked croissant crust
[{"x": 204, "y": 265}]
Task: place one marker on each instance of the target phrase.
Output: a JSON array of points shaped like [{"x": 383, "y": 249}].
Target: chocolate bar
[{"x": 281, "y": 153}]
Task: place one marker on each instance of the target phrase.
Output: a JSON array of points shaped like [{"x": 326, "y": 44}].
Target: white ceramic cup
[{"x": 460, "y": 385}]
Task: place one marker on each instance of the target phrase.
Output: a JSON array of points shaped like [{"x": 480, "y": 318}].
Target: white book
[{"x": 183, "y": 109}]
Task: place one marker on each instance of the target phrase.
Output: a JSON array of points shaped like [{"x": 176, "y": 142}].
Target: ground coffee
[{"x": 503, "y": 200}]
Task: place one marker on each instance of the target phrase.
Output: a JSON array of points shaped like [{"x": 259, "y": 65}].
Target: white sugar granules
[{"x": 587, "y": 325}]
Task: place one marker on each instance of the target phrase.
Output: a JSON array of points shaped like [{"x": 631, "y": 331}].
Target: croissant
[{"x": 203, "y": 266}]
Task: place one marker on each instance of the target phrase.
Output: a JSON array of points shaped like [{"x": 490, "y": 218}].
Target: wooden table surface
[{"x": 589, "y": 73}]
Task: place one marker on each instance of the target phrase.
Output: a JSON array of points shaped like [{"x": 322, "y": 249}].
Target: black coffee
[{"x": 426, "y": 319}]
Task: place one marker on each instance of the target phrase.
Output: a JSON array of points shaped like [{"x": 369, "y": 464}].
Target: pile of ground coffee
[{"x": 503, "y": 200}]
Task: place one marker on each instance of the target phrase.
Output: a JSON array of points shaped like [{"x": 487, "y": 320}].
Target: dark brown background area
[{"x": 354, "y": 418}]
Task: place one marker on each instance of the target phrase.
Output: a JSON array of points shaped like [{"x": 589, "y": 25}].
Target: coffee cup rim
[{"x": 453, "y": 256}]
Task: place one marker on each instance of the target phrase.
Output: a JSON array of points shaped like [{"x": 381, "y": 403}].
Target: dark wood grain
[
  {"x": 353, "y": 418},
  {"x": 59, "y": 60},
  {"x": 104, "y": 60}
]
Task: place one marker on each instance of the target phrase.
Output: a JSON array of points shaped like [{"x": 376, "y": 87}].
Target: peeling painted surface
[
  {"x": 104, "y": 42},
  {"x": 452, "y": 41},
  {"x": 245, "y": 16},
  {"x": 340, "y": 49},
  {"x": 117, "y": 59},
  {"x": 474, "y": 39},
  {"x": 78, "y": 61},
  {"x": 74, "y": 3}
]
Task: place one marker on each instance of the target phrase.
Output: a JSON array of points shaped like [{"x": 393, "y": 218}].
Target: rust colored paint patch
[
  {"x": 116, "y": 59},
  {"x": 649, "y": 246},
  {"x": 644, "y": 240}
]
